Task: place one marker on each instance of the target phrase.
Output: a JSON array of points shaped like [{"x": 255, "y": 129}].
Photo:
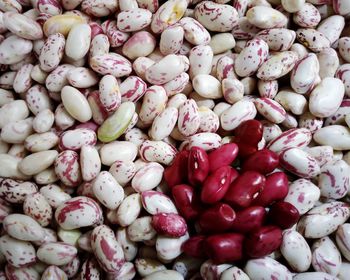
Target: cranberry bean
[
  {"x": 198, "y": 166},
  {"x": 170, "y": 224},
  {"x": 249, "y": 219},
  {"x": 263, "y": 161},
  {"x": 218, "y": 218},
  {"x": 227, "y": 247},
  {"x": 186, "y": 201},
  {"x": 244, "y": 189},
  {"x": 283, "y": 214},
  {"x": 276, "y": 188},
  {"x": 177, "y": 172},
  {"x": 222, "y": 156},
  {"x": 217, "y": 183},
  {"x": 263, "y": 241}
]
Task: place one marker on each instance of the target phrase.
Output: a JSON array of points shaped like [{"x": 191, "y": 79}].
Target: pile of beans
[{"x": 179, "y": 139}]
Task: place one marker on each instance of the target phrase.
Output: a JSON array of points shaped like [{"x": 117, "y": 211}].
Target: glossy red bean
[
  {"x": 226, "y": 247},
  {"x": 263, "y": 161},
  {"x": 276, "y": 188},
  {"x": 177, "y": 172},
  {"x": 244, "y": 189},
  {"x": 249, "y": 219},
  {"x": 218, "y": 218},
  {"x": 216, "y": 185},
  {"x": 186, "y": 201},
  {"x": 283, "y": 214},
  {"x": 198, "y": 166},
  {"x": 194, "y": 247},
  {"x": 262, "y": 241},
  {"x": 169, "y": 224},
  {"x": 247, "y": 136},
  {"x": 234, "y": 175},
  {"x": 222, "y": 156}
]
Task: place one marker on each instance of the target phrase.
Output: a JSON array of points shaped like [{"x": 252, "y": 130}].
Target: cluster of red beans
[{"x": 232, "y": 213}]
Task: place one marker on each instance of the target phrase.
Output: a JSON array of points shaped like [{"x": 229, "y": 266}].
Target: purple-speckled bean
[
  {"x": 78, "y": 212},
  {"x": 141, "y": 229},
  {"x": 205, "y": 140},
  {"x": 153, "y": 104},
  {"x": 168, "y": 14},
  {"x": 326, "y": 97},
  {"x": 312, "y": 39},
  {"x": 134, "y": 20},
  {"x": 322, "y": 220},
  {"x": 158, "y": 151},
  {"x": 16, "y": 191},
  {"x": 23, "y": 227},
  {"x": 239, "y": 112},
  {"x": 90, "y": 162},
  {"x": 171, "y": 39},
  {"x": 267, "y": 268},
  {"x": 216, "y": 17},
  {"x": 299, "y": 163},
  {"x": 36, "y": 206},
  {"x": 111, "y": 63},
  {"x": 334, "y": 180},
  {"x": 140, "y": 44},
  {"x": 278, "y": 65},
  {"x": 343, "y": 73},
  {"x": 106, "y": 248},
  {"x": 325, "y": 256},
  {"x": 270, "y": 109},
  {"x": 278, "y": 39},
  {"x": 296, "y": 251},
  {"x": 18, "y": 253},
  {"x": 292, "y": 138},
  {"x": 107, "y": 190},
  {"x": 52, "y": 52},
  {"x": 129, "y": 209},
  {"x": 155, "y": 202},
  {"x": 67, "y": 168},
  {"x": 251, "y": 57},
  {"x": 308, "y": 16}
]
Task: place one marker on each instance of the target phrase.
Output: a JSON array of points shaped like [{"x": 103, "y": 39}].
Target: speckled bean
[
  {"x": 266, "y": 268},
  {"x": 240, "y": 111},
  {"x": 296, "y": 251},
  {"x": 221, "y": 19},
  {"x": 334, "y": 180},
  {"x": 323, "y": 220},
  {"x": 17, "y": 253},
  {"x": 107, "y": 190},
  {"x": 69, "y": 214}
]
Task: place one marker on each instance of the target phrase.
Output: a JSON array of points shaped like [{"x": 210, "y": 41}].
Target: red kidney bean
[
  {"x": 226, "y": 247},
  {"x": 263, "y": 161},
  {"x": 247, "y": 136},
  {"x": 262, "y": 241},
  {"x": 186, "y": 201},
  {"x": 216, "y": 185},
  {"x": 218, "y": 218},
  {"x": 177, "y": 172},
  {"x": 198, "y": 166},
  {"x": 283, "y": 214},
  {"x": 194, "y": 246},
  {"x": 169, "y": 224},
  {"x": 276, "y": 188},
  {"x": 249, "y": 219},
  {"x": 234, "y": 175},
  {"x": 222, "y": 156},
  {"x": 244, "y": 189}
]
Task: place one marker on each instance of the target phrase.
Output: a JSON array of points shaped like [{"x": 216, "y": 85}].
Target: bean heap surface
[{"x": 178, "y": 139}]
